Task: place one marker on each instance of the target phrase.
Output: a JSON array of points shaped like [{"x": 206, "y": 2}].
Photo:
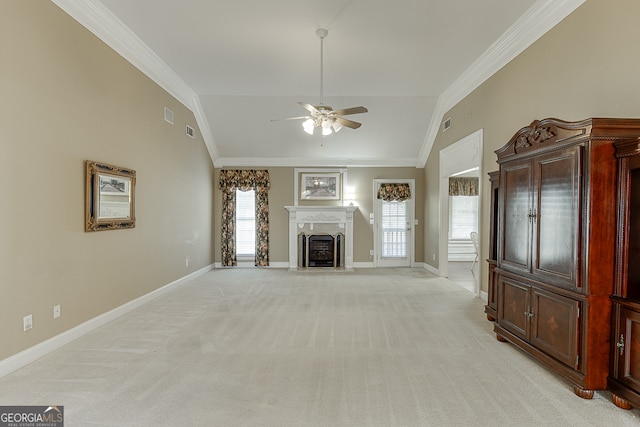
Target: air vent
[
  {"x": 168, "y": 115},
  {"x": 446, "y": 124},
  {"x": 191, "y": 132}
]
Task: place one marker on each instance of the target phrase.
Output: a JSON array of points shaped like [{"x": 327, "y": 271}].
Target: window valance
[
  {"x": 394, "y": 192},
  {"x": 463, "y": 186},
  {"x": 244, "y": 179}
]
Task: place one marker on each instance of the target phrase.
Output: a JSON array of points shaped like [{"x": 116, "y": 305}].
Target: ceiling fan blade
[
  {"x": 291, "y": 118},
  {"x": 309, "y": 108},
  {"x": 353, "y": 110},
  {"x": 348, "y": 123}
]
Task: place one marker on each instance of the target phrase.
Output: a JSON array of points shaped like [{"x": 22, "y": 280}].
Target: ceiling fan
[{"x": 323, "y": 116}]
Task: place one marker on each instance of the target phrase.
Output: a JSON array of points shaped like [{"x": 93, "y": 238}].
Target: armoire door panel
[
  {"x": 554, "y": 327},
  {"x": 557, "y": 219},
  {"x": 514, "y": 306},
  {"x": 515, "y": 181},
  {"x": 629, "y": 369},
  {"x": 632, "y": 265}
]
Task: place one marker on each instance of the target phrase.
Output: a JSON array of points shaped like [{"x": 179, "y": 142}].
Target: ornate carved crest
[
  {"x": 320, "y": 217},
  {"x": 536, "y": 135}
]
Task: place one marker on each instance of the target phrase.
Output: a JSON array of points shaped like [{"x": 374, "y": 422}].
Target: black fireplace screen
[{"x": 320, "y": 250}]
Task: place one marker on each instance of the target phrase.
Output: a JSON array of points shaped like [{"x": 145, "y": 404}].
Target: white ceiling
[{"x": 239, "y": 64}]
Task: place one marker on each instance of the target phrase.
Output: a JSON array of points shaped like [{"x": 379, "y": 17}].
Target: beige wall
[
  {"x": 360, "y": 180},
  {"x": 586, "y": 66},
  {"x": 66, "y": 98}
]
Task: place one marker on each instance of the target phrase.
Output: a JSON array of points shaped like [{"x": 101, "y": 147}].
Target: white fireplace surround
[{"x": 328, "y": 219}]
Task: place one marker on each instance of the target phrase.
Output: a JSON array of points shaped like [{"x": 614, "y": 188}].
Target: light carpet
[{"x": 269, "y": 347}]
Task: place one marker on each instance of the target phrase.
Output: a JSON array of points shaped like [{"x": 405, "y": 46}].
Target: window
[
  {"x": 245, "y": 223},
  {"x": 394, "y": 229},
  {"x": 463, "y": 216}
]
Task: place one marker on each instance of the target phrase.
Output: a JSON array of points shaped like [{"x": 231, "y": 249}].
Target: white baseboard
[
  {"x": 461, "y": 257},
  {"x": 372, "y": 265},
  {"x": 484, "y": 296},
  {"x": 431, "y": 269},
  {"x": 363, "y": 265},
  {"x": 246, "y": 264},
  {"x": 20, "y": 360},
  {"x": 251, "y": 264},
  {"x": 279, "y": 265}
]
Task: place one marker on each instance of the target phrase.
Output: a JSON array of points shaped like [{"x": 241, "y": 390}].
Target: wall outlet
[
  {"x": 186, "y": 262},
  {"x": 371, "y": 252},
  {"x": 56, "y": 311},
  {"x": 27, "y": 322},
  {"x": 434, "y": 257}
]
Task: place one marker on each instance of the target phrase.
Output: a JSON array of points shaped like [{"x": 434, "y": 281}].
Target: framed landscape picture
[
  {"x": 320, "y": 186},
  {"x": 109, "y": 197}
]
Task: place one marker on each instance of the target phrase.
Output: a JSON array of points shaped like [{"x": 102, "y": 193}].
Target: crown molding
[
  {"x": 100, "y": 21},
  {"x": 313, "y": 162},
  {"x": 533, "y": 24}
]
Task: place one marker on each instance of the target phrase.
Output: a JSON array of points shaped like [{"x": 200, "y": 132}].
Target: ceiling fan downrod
[{"x": 322, "y": 33}]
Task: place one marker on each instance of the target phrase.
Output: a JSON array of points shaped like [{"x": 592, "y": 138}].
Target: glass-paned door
[{"x": 393, "y": 228}]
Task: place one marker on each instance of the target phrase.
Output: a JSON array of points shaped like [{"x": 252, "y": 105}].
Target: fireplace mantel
[{"x": 300, "y": 216}]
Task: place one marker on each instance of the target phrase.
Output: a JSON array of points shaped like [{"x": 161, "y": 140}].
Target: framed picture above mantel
[
  {"x": 319, "y": 184},
  {"x": 316, "y": 186}
]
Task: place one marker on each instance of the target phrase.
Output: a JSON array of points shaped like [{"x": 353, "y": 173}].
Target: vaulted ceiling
[{"x": 239, "y": 64}]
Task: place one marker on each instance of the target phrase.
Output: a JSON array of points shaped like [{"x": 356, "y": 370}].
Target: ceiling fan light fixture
[
  {"x": 324, "y": 116},
  {"x": 326, "y": 127},
  {"x": 308, "y": 126}
]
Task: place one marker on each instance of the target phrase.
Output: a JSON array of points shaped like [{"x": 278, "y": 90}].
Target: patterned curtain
[
  {"x": 262, "y": 226},
  {"x": 394, "y": 192},
  {"x": 463, "y": 186},
  {"x": 244, "y": 180},
  {"x": 228, "y": 229}
]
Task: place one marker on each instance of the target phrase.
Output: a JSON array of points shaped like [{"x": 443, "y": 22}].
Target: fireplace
[
  {"x": 320, "y": 250},
  {"x": 321, "y": 236}
]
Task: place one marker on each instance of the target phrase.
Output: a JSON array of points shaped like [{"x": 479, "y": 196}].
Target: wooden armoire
[
  {"x": 624, "y": 378},
  {"x": 492, "y": 294},
  {"x": 555, "y": 238}
]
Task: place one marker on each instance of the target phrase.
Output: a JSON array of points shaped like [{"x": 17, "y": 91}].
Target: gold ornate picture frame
[{"x": 109, "y": 197}]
